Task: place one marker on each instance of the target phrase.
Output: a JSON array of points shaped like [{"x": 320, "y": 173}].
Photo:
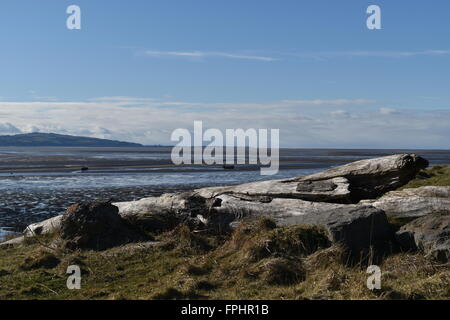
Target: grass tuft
[
  {"x": 282, "y": 271},
  {"x": 41, "y": 259}
]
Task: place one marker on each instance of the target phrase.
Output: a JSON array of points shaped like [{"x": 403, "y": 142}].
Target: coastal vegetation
[
  {"x": 434, "y": 176},
  {"x": 256, "y": 261}
]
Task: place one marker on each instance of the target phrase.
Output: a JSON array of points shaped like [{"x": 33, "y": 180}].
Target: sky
[{"x": 137, "y": 70}]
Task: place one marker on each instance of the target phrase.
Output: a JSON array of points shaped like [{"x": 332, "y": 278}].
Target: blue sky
[{"x": 139, "y": 69}]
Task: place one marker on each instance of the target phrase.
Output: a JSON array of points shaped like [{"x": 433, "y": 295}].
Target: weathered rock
[
  {"x": 371, "y": 178},
  {"x": 413, "y": 203},
  {"x": 96, "y": 225},
  {"x": 430, "y": 234},
  {"x": 357, "y": 227},
  {"x": 331, "y": 190}
]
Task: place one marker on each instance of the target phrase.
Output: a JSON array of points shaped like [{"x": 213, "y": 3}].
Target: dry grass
[{"x": 257, "y": 261}]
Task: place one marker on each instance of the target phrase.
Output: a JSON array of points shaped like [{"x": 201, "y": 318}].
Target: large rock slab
[
  {"x": 331, "y": 190},
  {"x": 430, "y": 234},
  {"x": 97, "y": 226},
  {"x": 372, "y": 178},
  {"x": 413, "y": 203}
]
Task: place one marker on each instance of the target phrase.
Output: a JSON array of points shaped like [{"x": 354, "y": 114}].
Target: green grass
[
  {"x": 435, "y": 176},
  {"x": 256, "y": 261}
]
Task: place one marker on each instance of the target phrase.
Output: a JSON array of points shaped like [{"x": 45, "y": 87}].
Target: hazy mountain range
[{"x": 59, "y": 140}]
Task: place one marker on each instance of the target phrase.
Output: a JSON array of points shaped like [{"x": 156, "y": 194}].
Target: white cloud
[
  {"x": 8, "y": 129},
  {"x": 367, "y": 53},
  {"x": 122, "y": 99},
  {"x": 339, "y": 113},
  {"x": 336, "y": 102},
  {"x": 303, "y": 123},
  {"x": 206, "y": 54}
]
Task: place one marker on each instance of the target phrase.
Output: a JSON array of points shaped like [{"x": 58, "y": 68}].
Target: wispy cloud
[
  {"x": 336, "y": 102},
  {"x": 339, "y": 113},
  {"x": 388, "y": 111},
  {"x": 124, "y": 99},
  {"x": 369, "y": 53},
  {"x": 393, "y": 54},
  {"x": 277, "y": 56},
  {"x": 207, "y": 54}
]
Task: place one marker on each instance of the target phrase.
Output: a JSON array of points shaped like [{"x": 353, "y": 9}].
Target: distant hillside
[{"x": 59, "y": 140}]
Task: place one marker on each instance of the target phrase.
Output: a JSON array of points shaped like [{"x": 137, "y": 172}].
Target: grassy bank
[
  {"x": 435, "y": 176},
  {"x": 256, "y": 261}
]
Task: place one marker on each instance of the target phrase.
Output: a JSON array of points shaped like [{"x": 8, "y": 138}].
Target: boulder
[
  {"x": 97, "y": 226},
  {"x": 413, "y": 203},
  {"x": 372, "y": 178},
  {"x": 430, "y": 234}
]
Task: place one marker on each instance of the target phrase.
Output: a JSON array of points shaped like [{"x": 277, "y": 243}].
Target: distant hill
[{"x": 59, "y": 140}]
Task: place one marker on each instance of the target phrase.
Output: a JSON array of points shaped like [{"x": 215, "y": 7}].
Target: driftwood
[{"x": 413, "y": 203}]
